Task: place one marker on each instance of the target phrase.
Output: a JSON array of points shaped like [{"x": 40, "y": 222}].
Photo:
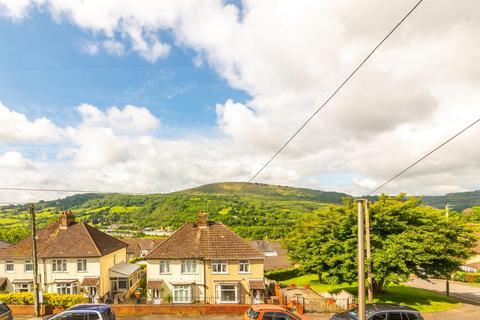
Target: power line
[
  {"x": 70, "y": 190},
  {"x": 335, "y": 92},
  {"x": 424, "y": 157}
]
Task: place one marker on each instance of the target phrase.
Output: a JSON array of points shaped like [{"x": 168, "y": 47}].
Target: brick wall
[
  {"x": 147, "y": 309},
  {"x": 189, "y": 309}
]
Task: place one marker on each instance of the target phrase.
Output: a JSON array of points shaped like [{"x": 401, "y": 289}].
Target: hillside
[
  {"x": 458, "y": 201},
  {"x": 255, "y": 211}
]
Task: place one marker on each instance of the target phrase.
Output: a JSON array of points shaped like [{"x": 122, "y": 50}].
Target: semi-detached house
[
  {"x": 205, "y": 261},
  {"x": 74, "y": 257}
]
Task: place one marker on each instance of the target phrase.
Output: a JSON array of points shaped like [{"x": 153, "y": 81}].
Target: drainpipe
[{"x": 204, "y": 282}]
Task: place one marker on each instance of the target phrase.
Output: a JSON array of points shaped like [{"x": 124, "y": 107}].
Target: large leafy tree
[{"x": 407, "y": 238}]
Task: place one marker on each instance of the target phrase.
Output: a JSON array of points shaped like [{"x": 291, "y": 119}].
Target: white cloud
[
  {"x": 16, "y": 128},
  {"x": 90, "y": 48},
  {"x": 114, "y": 47},
  {"x": 418, "y": 89}
]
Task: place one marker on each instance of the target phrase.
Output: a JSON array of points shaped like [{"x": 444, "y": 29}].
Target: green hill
[
  {"x": 458, "y": 201},
  {"x": 253, "y": 210}
]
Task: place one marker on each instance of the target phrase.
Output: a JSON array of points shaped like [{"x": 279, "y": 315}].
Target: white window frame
[
  {"x": 219, "y": 266},
  {"x": 165, "y": 265},
  {"x": 10, "y": 263},
  {"x": 56, "y": 263},
  {"x": 156, "y": 293},
  {"x": 21, "y": 287},
  {"x": 66, "y": 288},
  {"x": 219, "y": 289},
  {"x": 28, "y": 263},
  {"x": 189, "y": 267},
  {"x": 84, "y": 265},
  {"x": 186, "y": 289},
  {"x": 245, "y": 265}
]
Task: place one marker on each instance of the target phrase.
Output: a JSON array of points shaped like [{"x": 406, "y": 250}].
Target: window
[
  {"x": 244, "y": 266},
  {"x": 164, "y": 266},
  {"x": 219, "y": 266},
  {"x": 59, "y": 265},
  {"x": 182, "y": 294},
  {"x": 252, "y": 314},
  {"x": 93, "y": 316},
  {"x": 155, "y": 293},
  {"x": 122, "y": 283},
  {"x": 77, "y": 316},
  {"x": 189, "y": 266},
  {"x": 82, "y": 265},
  {"x": 22, "y": 287},
  {"x": 66, "y": 288},
  {"x": 394, "y": 316},
  {"x": 283, "y": 316},
  {"x": 28, "y": 266},
  {"x": 411, "y": 316},
  {"x": 10, "y": 266},
  {"x": 380, "y": 316},
  {"x": 268, "y": 316},
  {"x": 227, "y": 293}
]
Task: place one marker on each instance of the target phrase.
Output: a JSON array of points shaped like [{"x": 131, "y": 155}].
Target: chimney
[
  {"x": 66, "y": 219},
  {"x": 203, "y": 219},
  {"x": 306, "y": 286}
]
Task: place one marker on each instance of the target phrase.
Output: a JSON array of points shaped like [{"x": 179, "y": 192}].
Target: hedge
[
  {"x": 283, "y": 274},
  {"x": 51, "y": 299}
]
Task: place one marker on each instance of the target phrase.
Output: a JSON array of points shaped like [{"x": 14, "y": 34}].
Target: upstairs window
[
  {"x": 244, "y": 266},
  {"x": 82, "y": 265},
  {"x": 219, "y": 266},
  {"x": 10, "y": 266},
  {"x": 189, "y": 266},
  {"x": 165, "y": 266},
  {"x": 59, "y": 265},
  {"x": 28, "y": 266}
]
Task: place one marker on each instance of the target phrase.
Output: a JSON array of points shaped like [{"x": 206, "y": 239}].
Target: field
[{"x": 422, "y": 300}]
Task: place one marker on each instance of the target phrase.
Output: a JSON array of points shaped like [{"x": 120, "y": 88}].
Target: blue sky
[
  {"x": 157, "y": 96},
  {"x": 44, "y": 72}
]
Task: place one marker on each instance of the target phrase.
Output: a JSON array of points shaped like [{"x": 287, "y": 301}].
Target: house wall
[
  {"x": 176, "y": 276},
  {"x": 106, "y": 262},
  {"x": 256, "y": 272},
  {"x": 473, "y": 259}
]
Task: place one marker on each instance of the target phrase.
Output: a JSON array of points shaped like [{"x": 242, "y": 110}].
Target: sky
[{"x": 157, "y": 96}]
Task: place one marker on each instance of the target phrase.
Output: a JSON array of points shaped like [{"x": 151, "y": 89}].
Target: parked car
[
  {"x": 270, "y": 312},
  {"x": 87, "y": 311},
  {"x": 5, "y": 312},
  {"x": 382, "y": 312}
]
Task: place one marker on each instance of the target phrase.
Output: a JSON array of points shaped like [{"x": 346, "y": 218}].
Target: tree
[{"x": 407, "y": 238}]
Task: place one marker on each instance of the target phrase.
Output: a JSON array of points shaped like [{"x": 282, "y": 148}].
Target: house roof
[
  {"x": 211, "y": 241},
  {"x": 90, "y": 281},
  {"x": 273, "y": 262},
  {"x": 123, "y": 269},
  {"x": 4, "y": 244},
  {"x": 143, "y": 244},
  {"x": 154, "y": 284},
  {"x": 77, "y": 240}
]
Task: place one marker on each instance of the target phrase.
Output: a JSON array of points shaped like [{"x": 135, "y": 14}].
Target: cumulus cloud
[
  {"x": 90, "y": 48},
  {"x": 16, "y": 128},
  {"x": 414, "y": 92}
]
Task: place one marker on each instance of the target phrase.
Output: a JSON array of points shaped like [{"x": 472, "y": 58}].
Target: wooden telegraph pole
[
  {"x": 35, "y": 260},
  {"x": 361, "y": 262},
  {"x": 369, "y": 252}
]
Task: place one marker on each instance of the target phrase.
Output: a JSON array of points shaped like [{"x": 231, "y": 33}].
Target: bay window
[
  {"x": 182, "y": 294},
  {"x": 227, "y": 293}
]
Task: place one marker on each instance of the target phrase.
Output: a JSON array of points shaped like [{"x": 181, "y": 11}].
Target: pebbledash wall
[{"x": 148, "y": 309}]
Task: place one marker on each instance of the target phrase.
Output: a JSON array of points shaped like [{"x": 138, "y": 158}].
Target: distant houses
[
  {"x": 139, "y": 248},
  {"x": 205, "y": 261},
  {"x": 74, "y": 258}
]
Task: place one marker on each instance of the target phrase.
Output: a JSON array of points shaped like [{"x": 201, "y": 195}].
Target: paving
[{"x": 461, "y": 291}]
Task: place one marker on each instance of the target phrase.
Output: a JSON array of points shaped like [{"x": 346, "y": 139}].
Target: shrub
[
  {"x": 471, "y": 277},
  {"x": 52, "y": 299},
  {"x": 283, "y": 274}
]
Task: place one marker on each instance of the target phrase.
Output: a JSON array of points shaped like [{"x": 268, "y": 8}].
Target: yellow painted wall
[
  {"x": 256, "y": 272},
  {"x": 106, "y": 262}
]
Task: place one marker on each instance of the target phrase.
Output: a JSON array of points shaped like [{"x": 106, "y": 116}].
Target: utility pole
[
  {"x": 361, "y": 262},
  {"x": 369, "y": 252},
  {"x": 35, "y": 260},
  {"x": 447, "y": 283}
]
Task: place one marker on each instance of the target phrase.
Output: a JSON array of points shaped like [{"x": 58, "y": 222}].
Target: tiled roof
[
  {"x": 4, "y": 244},
  {"x": 144, "y": 244},
  {"x": 154, "y": 284},
  {"x": 78, "y": 240},
  {"x": 215, "y": 241},
  {"x": 273, "y": 262},
  {"x": 256, "y": 284},
  {"x": 90, "y": 281}
]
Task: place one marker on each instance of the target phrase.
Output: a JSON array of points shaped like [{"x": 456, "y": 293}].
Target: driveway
[{"x": 463, "y": 292}]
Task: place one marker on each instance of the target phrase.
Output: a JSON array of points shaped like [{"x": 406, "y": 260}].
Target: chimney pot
[
  {"x": 203, "y": 219},
  {"x": 292, "y": 286},
  {"x": 66, "y": 219},
  {"x": 307, "y": 286}
]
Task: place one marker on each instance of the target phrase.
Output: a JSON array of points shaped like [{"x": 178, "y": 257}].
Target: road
[{"x": 463, "y": 292}]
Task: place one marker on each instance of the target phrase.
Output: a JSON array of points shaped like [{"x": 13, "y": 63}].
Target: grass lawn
[{"x": 422, "y": 300}]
